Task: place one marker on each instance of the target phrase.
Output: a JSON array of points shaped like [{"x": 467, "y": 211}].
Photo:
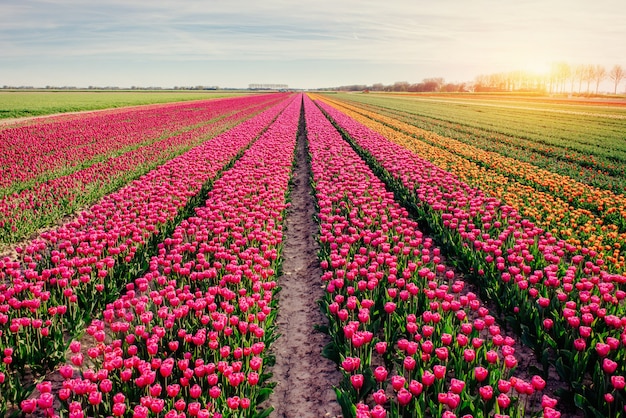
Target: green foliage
[{"x": 18, "y": 104}]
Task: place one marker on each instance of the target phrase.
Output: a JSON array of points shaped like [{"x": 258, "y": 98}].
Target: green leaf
[
  {"x": 321, "y": 328},
  {"x": 348, "y": 409},
  {"x": 263, "y": 395},
  {"x": 580, "y": 401},
  {"x": 560, "y": 369},
  {"x": 331, "y": 352},
  {"x": 264, "y": 413}
]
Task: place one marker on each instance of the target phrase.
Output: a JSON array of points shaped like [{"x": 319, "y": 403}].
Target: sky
[{"x": 301, "y": 43}]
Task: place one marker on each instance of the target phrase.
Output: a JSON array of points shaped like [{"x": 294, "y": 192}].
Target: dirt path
[{"x": 305, "y": 379}]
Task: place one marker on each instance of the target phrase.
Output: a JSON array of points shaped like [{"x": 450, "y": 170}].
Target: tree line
[
  {"x": 562, "y": 78},
  {"x": 427, "y": 85}
]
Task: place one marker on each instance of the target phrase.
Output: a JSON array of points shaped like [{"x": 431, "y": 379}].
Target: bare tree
[
  {"x": 589, "y": 75},
  {"x": 565, "y": 72},
  {"x": 577, "y": 74},
  {"x": 401, "y": 86},
  {"x": 599, "y": 74},
  {"x": 617, "y": 75}
]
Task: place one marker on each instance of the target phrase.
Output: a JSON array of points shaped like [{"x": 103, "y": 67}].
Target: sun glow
[{"x": 537, "y": 67}]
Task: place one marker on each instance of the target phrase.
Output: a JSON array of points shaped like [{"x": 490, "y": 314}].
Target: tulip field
[{"x": 143, "y": 248}]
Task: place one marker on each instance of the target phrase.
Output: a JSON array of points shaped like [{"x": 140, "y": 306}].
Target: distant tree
[
  {"x": 617, "y": 75},
  {"x": 599, "y": 74},
  {"x": 480, "y": 82},
  {"x": 559, "y": 73},
  {"x": 451, "y": 87},
  {"x": 377, "y": 87},
  {"x": 577, "y": 74},
  {"x": 589, "y": 74},
  {"x": 432, "y": 84},
  {"x": 401, "y": 86}
]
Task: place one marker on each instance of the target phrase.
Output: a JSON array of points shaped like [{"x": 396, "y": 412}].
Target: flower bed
[
  {"x": 409, "y": 341},
  {"x": 560, "y": 299},
  {"x": 189, "y": 337},
  {"x": 42, "y": 200},
  {"x": 67, "y": 274}
]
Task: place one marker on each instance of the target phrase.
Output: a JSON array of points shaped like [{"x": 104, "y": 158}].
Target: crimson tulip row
[
  {"x": 48, "y": 200},
  {"x": 409, "y": 340},
  {"x": 69, "y": 273},
  {"x": 190, "y": 337},
  {"x": 55, "y": 143},
  {"x": 562, "y": 301}
]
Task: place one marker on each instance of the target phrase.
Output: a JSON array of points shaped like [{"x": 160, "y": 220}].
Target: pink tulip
[
  {"x": 380, "y": 397},
  {"x": 428, "y": 378},
  {"x": 404, "y": 397},
  {"x": 351, "y": 364},
  {"x": 486, "y": 392},
  {"x": 457, "y": 386},
  {"x": 357, "y": 381},
  {"x": 538, "y": 383},
  {"x": 380, "y": 374},
  {"x": 439, "y": 371},
  {"x": 480, "y": 373},
  {"x": 618, "y": 382},
  {"x": 609, "y": 366},
  {"x": 397, "y": 382},
  {"x": 503, "y": 401}
]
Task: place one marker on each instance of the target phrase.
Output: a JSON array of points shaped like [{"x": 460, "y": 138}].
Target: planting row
[
  {"x": 46, "y": 201},
  {"x": 190, "y": 337},
  {"x": 559, "y": 298},
  {"x": 580, "y": 214},
  {"x": 39, "y": 150},
  {"x": 409, "y": 340},
  {"x": 583, "y": 141},
  {"x": 67, "y": 274}
]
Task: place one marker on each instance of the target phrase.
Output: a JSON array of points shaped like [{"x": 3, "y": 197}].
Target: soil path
[{"x": 305, "y": 379}]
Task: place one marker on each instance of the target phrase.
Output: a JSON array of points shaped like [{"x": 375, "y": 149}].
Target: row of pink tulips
[
  {"x": 561, "y": 300},
  {"x": 190, "y": 337},
  {"x": 35, "y": 150},
  {"x": 47, "y": 201},
  {"x": 409, "y": 340},
  {"x": 68, "y": 273}
]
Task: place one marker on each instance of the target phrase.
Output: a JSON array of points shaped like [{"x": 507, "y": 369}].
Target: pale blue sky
[{"x": 305, "y": 44}]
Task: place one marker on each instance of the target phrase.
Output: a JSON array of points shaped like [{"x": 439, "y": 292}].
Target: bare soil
[{"x": 304, "y": 378}]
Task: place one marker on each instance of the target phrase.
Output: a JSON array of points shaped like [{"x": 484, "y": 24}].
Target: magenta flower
[
  {"x": 404, "y": 397},
  {"x": 486, "y": 392},
  {"x": 357, "y": 381}
]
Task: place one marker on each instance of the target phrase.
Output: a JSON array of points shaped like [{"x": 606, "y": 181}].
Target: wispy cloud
[{"x": 410, "y": 38}]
